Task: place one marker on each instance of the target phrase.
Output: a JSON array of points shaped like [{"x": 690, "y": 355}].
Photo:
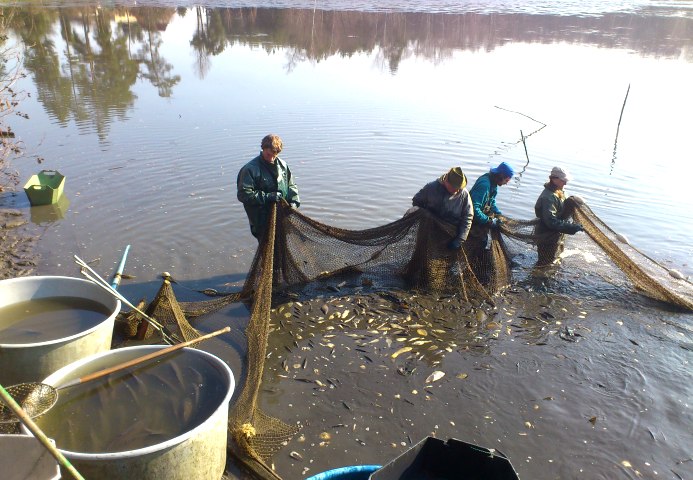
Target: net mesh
[
  {"x": 34, "y": 398},
  {"x": 412, "y": 251}
]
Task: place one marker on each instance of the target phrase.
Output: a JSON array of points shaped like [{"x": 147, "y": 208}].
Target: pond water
[
  {"x": 151, "y": 109},
  {"x": 150, "y": 113}
]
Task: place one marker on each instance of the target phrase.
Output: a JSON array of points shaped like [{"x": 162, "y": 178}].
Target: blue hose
[{"x": 354, "y": 472}]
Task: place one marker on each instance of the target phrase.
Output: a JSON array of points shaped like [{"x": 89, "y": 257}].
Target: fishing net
[
  {"x": 411, "y": 252},
  {"x": 599, "y": 252},
  {"x": 646, "y": 274}
]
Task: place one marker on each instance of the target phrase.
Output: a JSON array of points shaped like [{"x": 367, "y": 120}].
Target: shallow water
[
  {"x": 151, "y": 115},
  {"x": 565, "y": 388},
  {"x": 151, "y": 110}
]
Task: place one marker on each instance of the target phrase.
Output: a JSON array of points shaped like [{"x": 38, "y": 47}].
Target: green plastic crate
[{"x": 45, "y": 188}]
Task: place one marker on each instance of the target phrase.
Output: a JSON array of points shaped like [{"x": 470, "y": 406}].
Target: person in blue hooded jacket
[
  {"x": 486, "y": 217},
  {"x": 265, "y": 180},
  {"x": 484, "y": 192}
]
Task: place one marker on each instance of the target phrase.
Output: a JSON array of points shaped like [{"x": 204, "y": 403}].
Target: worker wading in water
[
  {"x": 265, "y": 180},
  {"x": 487, "y": 218},
  {"x": 448, "y": 199},
  {"x": 554, "y": 213}
]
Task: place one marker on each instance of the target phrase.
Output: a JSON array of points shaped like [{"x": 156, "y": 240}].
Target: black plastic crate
[{"x": 434, "y": 459}]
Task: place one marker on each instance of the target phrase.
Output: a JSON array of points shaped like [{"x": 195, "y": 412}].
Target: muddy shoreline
[
  {"x": 17, "y": 257},
  {"x": 555, "y": 381}
]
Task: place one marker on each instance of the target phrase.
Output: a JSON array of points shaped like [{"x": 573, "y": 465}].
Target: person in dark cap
[
  {"x": 553, "y": 213},
  {"x": 486, "y": 217},
  {"x": 266, "y": 179},
  {"x": 448, "y": 199}
]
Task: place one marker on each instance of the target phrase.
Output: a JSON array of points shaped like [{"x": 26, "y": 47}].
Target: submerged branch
[
  {"x": 618, "y": 127},
  {"x": 522, "y": 137},
  {"x": 527, "y": 116}
]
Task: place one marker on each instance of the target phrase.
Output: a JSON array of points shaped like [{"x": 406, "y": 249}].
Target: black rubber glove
[
  {"x": 455, "y": 244},
  {"x": 495, "y": 223},
  {"x": 573, "y": 228},
  {"x": 274, "y": 196}
]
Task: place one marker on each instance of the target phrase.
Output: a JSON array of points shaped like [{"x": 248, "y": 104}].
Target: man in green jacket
[
  {"x": 552, "y": 211},
  {"x": 265, "y": 180}
]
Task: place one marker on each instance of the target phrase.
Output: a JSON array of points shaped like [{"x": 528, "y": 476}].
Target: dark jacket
[
  {"x": 455, "y": 209},
  {"x": 483, "y": 195},
  {"x": 549, "y": 209},
  {"x": 255, "y": 181}
]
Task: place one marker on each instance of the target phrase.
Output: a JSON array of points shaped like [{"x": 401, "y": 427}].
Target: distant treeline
[{"x": 85, "y": 60}]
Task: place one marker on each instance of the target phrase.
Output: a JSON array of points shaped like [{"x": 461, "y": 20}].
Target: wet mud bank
[{"x": 17, "y": 256}]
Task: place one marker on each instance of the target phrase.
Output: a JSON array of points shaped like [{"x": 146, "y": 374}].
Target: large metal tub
[
  {"x": 31, "y": 362},
  {"x": 199, "y": 453}
]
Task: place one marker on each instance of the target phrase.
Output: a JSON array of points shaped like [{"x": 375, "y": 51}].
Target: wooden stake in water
[
  {"x": 618, "y": 127},
  {"x": 522, "y": 136},
  {"x": 40, "y": 436}
]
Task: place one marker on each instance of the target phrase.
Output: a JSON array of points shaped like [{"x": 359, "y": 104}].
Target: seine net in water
[{"x": 298, "y": 250}]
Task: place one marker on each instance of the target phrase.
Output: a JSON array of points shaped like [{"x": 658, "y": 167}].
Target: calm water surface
[
  {"x": 150, "y": 111},
  {"x": 51, "y": 318}
]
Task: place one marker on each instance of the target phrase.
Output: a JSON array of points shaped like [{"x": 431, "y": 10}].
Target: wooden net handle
[{"x": 144, "y": 358}]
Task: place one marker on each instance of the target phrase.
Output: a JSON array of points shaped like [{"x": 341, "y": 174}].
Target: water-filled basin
[
  {"x": 166, "y": 418},
  {"x": 47, "y": 322}
]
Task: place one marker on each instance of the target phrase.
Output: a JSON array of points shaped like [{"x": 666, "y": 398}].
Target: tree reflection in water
[{"x": 89, "y": 78}]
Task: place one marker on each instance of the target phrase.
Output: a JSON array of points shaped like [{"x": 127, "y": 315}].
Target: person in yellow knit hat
[{"x": 448, "y": 198}]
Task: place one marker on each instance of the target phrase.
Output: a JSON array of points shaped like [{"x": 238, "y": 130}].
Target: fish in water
[
  {"x": 622, "y": 239},
  {"x": 676, "y": 274}
]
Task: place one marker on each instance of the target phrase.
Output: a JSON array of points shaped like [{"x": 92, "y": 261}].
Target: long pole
[
  {"x": 618, "y": 127},
  {"x": 143, "y": 358},
  {"x": 86, "y": 269},
  {"x": 38, "y": 433},
  {"x": 119, "y": 272},
  {"x": 620, "y": 117}
]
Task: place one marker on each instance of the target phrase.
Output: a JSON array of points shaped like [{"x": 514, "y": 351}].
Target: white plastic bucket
[{"x": 24, "y": 457}]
